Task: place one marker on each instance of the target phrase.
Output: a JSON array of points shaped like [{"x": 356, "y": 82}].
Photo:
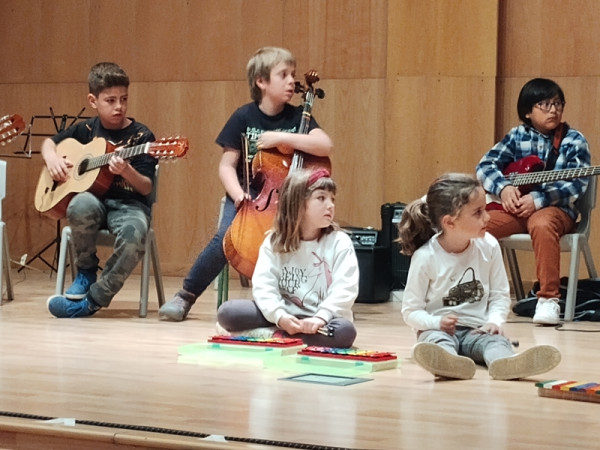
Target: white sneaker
[
  {"x": 534, "y": 361},
  {"x": 257, "y": 333},
  {"x": 547, "y": 311},
  {"x": 442, "y": 363},
  {"x": 222, "y": 331}
]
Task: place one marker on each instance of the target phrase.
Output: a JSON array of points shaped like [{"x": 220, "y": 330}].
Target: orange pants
[{"x": 545, "y": 226}]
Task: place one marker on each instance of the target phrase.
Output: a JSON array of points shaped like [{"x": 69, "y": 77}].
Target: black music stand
[{"x": 60, "y": 124}]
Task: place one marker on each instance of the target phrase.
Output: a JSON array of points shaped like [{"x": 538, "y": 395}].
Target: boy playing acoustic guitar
[
  {"x": 547, "y": 211},
  {"x": 124, "y": 210}
]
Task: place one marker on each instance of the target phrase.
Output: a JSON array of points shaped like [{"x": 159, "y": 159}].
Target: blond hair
[{"x": 261, "y": 64}]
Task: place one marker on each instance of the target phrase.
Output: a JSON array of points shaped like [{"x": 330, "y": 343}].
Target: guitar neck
[
  {"x": 125, "y": 153},
  {"x": 527, "y": 179}
]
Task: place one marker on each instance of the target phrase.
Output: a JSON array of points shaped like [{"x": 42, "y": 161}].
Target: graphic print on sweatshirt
[
  {"x": 311, "y": 283},
  {"x": 465, "y": 292}
]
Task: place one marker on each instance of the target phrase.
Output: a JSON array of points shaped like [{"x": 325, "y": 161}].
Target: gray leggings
[
  {"x": 483, "y": 348},
  {"x": 127, "y": 219},
  {"x": 238, "y": 315}
]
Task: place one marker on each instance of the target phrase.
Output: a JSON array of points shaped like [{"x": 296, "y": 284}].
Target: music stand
[{"x": 59, "y": 125}]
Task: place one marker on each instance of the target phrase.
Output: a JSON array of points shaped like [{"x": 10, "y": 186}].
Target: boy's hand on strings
[
  {"x": 448, "y": 324},
  {"x": 274, "y": 139},
  {"x": 526, "y": 207},
  {"x": 117, "y": 165},
  {"x": 59, "y": 168},
  {"x": 241, "y": 199},
  {"x": 510, "y": 197}
]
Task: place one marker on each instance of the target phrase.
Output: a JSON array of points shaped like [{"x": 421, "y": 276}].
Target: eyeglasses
[{"x": 547, "y": 105}]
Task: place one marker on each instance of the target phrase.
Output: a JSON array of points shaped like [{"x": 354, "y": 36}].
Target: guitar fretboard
[
  {"x": 526, "y": 179},
  {"x": 102, "y": 160}
]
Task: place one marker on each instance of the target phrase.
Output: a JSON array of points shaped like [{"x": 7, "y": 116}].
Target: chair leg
[
  {"x": 65, "y": 247},
  {"x": 589, "y": 260},
  {"x": 515, "y": 273},
  {"x": 573, "y": 278},
  {"x": 223, "y": 286},
  {"x": 145, "y": 278},
  {"x": 5, "y": 264},
  {"x": 160, "y": 290},
  {"x": 9, "y": 287},
  {"x": 150, "y": 256}
]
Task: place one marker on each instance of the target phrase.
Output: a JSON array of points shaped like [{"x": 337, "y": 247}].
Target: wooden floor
[{"x": 119, "y": 376}]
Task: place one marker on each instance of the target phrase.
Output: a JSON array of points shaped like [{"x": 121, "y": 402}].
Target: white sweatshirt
[
  {"x": 432, "y": 287},
  {"x": 319, "y": 279}
]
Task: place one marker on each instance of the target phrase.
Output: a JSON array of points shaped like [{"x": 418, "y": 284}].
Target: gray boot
[{"x": 177, "y": 309}]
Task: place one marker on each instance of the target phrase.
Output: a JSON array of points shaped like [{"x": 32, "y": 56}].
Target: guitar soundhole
[{"x": 82, "y": 167}]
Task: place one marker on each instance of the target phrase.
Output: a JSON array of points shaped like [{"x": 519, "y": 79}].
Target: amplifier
[
  {"x": 362, "y": 237},
  {"x": 391, "y": 214}
]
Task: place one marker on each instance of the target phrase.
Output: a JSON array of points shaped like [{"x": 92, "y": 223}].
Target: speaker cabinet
[
  {"x": 391, "y": 214},
  {"x": 375, "y": 276}
]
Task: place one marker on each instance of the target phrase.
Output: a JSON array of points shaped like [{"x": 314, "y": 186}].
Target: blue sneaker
[
  {"x": 62, "y": 307},
  {"x": 81, "y": 284}
]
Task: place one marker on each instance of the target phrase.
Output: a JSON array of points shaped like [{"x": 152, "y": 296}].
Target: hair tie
[{"x": 316, "y": 175}]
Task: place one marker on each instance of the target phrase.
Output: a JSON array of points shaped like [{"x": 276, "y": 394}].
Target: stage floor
[{"x": 121, "y": 379}]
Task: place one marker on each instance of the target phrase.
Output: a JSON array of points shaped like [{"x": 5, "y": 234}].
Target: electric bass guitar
[
  {"x": 11, "y": 126},
  {"x": 528, "y": 172},
  {"x": 90, "y": 170}
]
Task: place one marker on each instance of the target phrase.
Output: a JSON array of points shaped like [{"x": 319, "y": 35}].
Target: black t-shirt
[
  {"x": 251, "y": 121},
  {"x": 134, "y": 134}
]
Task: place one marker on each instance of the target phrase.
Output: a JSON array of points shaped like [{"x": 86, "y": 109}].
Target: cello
[{"x": 269, "y": 168}]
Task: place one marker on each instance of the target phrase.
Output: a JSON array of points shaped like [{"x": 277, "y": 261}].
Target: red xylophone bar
[
  {"x": 264, "y": 342},
  {"x": 347, "y": 353}
]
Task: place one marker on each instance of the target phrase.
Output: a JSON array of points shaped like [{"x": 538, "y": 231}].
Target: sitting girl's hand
[
  {"x": 448, "y": 324},
  {"x": 490, "y": 328},
  {"x": 311, "y": 325},
  {"x": 290, "y": 324}
]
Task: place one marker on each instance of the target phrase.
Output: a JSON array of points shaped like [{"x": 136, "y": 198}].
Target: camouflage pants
[{"x": 128, "y": 220}]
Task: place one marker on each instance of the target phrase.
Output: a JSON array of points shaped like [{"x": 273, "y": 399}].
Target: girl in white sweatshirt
[
  {"x": 457, "y": 293},
  {"x": 306, "y": 277}
]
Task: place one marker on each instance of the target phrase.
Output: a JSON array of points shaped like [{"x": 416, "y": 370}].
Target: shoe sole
[
  {"x": 545, "y": 322},
  {"x": 169, "y": 318},
  {"x": 441, "y": 363},
  {"x": 533, "y": 361},
  {"x": 74, "y": 296}
]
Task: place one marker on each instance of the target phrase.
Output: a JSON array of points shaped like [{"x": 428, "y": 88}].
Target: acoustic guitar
[
  {"x": 90, "y": 172},
  {"x": 11, "y": 126},
  {"x": 528, "y": 172}
]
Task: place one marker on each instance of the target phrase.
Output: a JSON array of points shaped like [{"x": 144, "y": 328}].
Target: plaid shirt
[{"x": 524, "y": 140}]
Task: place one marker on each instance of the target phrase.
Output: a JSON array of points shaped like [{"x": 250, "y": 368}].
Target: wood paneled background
[{"x": 414, "y": 88}]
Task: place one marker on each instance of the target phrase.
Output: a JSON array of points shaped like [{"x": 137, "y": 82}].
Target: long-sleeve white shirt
[
  {"x": 319, "y": 279},
  {"x": 432, "y": 286}
]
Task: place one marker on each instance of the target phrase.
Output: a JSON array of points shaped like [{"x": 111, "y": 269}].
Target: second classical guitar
[{"x": 90, "y": 170}]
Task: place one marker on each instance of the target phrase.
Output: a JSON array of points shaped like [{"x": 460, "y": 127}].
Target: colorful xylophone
[
  {"x": 263, "y": 342},
  {"x": 570, "y": 390},
  {"x": 348, "y": 353}
]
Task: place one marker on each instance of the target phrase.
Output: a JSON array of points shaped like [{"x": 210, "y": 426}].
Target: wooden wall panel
[
  {"x": 434, "y": 125},
  {"x": 442, "y": 38},
  {"x": 440, "y": 91},
  {"x": 549, "y": 38}
]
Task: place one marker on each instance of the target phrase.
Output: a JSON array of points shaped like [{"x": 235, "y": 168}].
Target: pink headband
[{"x": 316, "y": 175}]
